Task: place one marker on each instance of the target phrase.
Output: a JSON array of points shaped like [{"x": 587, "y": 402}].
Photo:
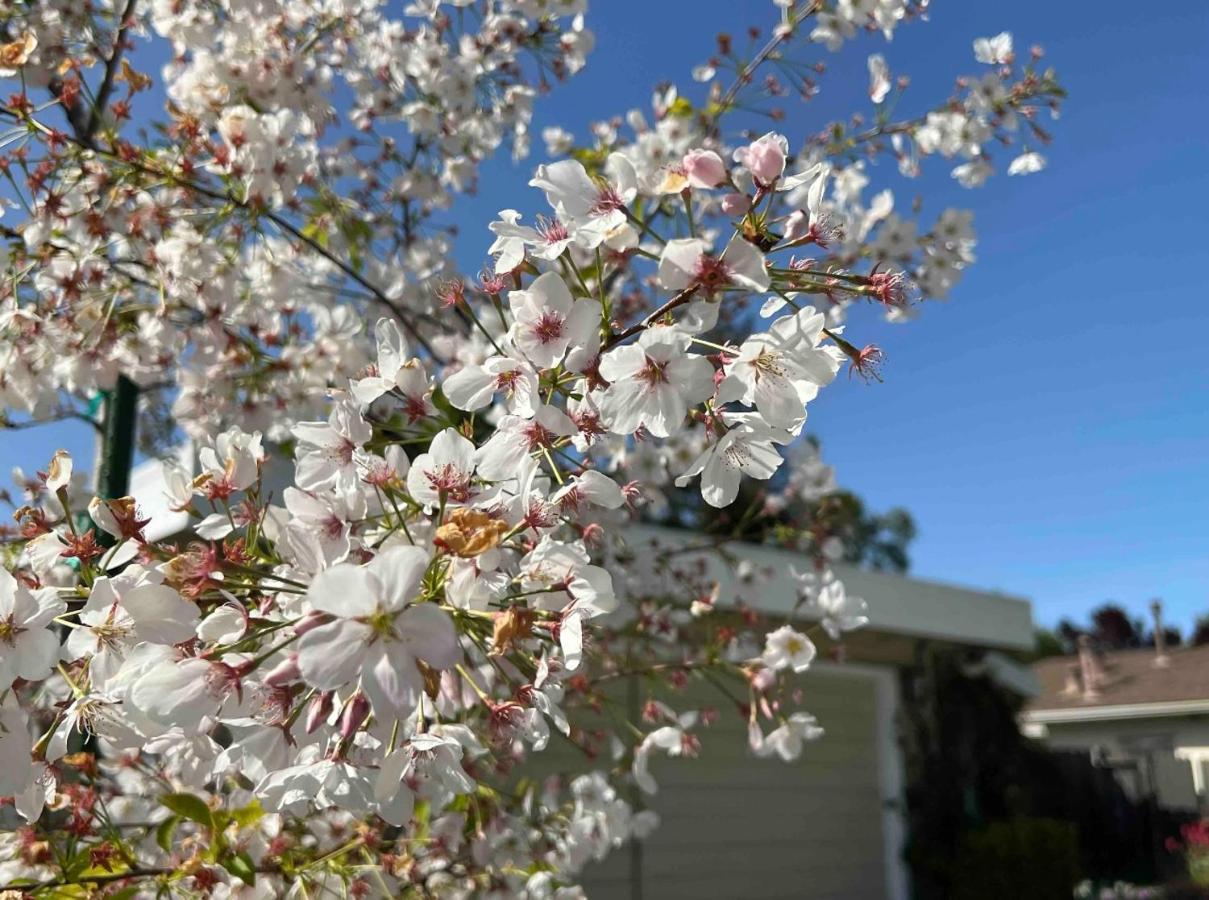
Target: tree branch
[
  {"x": 679, "y": 300},
  {"x": 111, "y": 68}
]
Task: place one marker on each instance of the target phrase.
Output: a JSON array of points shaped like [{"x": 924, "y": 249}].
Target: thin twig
[
  {"x": 111, "y": 68},
  {"x": 679, "y": 300}
]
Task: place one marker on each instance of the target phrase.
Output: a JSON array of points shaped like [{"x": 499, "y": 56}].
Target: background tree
[
  {"x": 1172, "y": 637},
  {"x": 1113, "y": 629},
  {"x": 1047, "y": 643},
  {"x": 1200, "y": 631},
  {"x": 802, "y": 504}
]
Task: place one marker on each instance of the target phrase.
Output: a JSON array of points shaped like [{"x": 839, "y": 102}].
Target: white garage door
[{"x": 737, "y": 827}]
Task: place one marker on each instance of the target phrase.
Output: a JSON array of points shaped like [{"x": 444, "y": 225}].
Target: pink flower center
[
  {"x": 607, "y": 200},
  {"x": 342, "y": 452},
  {"x": 549, "y": 328},
  {"x": 414, "y": 407},
  {"x": 589, "y": 424},
  {"x": 538, "y": 436},
  {"x": 450, "y": 481},
  {"x": 552, "y": 231},
  {"x": 653, "y": 373},
  {"x": 711, "y": 273},
  {"x": 889, "y": 287},
  {"x": 333, "y": 527}
]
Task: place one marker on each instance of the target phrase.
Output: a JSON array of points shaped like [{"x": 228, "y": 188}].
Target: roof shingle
[{"x": 1131, "y": 677}]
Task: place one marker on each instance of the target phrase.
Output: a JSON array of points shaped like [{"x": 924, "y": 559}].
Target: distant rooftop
[{"x": 1130, "y": 678}]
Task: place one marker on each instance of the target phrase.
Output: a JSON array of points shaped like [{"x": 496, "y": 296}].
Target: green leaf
[
  {"x": 241, "y": 866},
  {"x": 77, "y": 864},
  {"x": 592, "y": 159},
  {"x": 681, "y": 108},
  {"x": 163, "y": 834},
  {"x": 190, "y": 806},
  {"x": 248, "y": 815}
]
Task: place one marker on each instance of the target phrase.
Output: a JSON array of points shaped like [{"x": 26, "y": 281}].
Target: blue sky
[{"x": 1046, "y": 427}]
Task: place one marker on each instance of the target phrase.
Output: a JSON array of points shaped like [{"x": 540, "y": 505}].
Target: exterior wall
[
  {"x": 1151, "y": 742},
  {"x": 825, "y": 827}
]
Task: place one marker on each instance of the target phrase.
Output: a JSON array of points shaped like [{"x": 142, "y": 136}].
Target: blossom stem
[
  {"x": 482, "y": 695},
  {"x": 644, "y": 227}
]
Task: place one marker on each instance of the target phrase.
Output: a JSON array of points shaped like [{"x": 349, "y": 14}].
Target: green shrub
[{"x": 1033, "y": 858}]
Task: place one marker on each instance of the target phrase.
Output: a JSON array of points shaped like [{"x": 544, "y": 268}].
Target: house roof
[
  {"x": 898, "y": 604},
  {"x": 1133, "y": 686}
]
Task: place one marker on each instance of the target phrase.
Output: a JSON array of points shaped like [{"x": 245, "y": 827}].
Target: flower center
[
  {"x": 382, "y": 623},
  {"x": 653, "y": 373},
  {"x": 607, "y": 200},
  {"x": 538, "y": 436},
  {"x": 768, "y": 363},
  {"x": 450, "y": 481},
  {"x": 736, "y": 454},
  {"x": 711, "y": 273},
  {"x": 342, "y": 452},
  {"x": 549, "y": 328},
  {"x": 552, "y": 231},
  {"x": 110, "y": 633}
]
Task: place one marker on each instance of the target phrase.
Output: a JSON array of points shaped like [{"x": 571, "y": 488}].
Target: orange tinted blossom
[{"x": 469, "y": 532}]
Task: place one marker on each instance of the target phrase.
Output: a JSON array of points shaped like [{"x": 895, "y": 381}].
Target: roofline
[
  {"x": 898, "y": 604},
  {"x": 1120, "y": 711}
]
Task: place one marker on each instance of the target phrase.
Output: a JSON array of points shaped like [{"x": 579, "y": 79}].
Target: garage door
[{"x": 738, "y": 827}]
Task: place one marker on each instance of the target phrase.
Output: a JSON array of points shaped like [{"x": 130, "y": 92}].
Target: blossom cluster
[{"x": 410, "y": 568}]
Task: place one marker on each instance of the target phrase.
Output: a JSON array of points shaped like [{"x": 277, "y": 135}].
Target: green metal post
[{"x": 117, "y": 439}]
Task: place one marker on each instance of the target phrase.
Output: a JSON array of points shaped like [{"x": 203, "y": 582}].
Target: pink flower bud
[
  {"x": 764, "y": 679},
  {"x": 593, "y": 534},
  {"x": 310, "y": 620},
  {"x": 736, "y": 204},
  {"x": 320, "y": 709},
  {"x": 284, "y": 672},
  {"x": 764, "y": 158},
  {"x": 704, "y": 168},
  {"x": 356, "y": 711}
]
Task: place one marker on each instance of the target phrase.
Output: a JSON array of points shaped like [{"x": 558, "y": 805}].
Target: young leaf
[{"x": 190, "y": 807}]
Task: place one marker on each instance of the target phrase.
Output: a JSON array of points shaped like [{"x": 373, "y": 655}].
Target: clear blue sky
[{"x": 1047, "y": 427}]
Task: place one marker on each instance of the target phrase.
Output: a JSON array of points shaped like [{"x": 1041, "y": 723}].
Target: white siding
[
  {"x": 737, "y": 827},
  {"x": 1151, "y": 742}
]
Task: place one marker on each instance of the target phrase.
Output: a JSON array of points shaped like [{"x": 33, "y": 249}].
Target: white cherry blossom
[
  {"x": 549, "y": 321},
  {"x": 781, "y": 370},
  {"x": 748, "y": 447},
  {"x": 27, "y": 648},
  {"x": 379, "y": 631},
  {"x": 445, "y": 474},
  {"x": 653, "y": 382},
  {"x": 687, "y": 262},
  {"x": 787, "y": 648}
]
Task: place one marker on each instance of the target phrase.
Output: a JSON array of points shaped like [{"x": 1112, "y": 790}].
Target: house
[
  {"x": 1142, "y": 712},
  {"x": 830, "y": 825}
]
